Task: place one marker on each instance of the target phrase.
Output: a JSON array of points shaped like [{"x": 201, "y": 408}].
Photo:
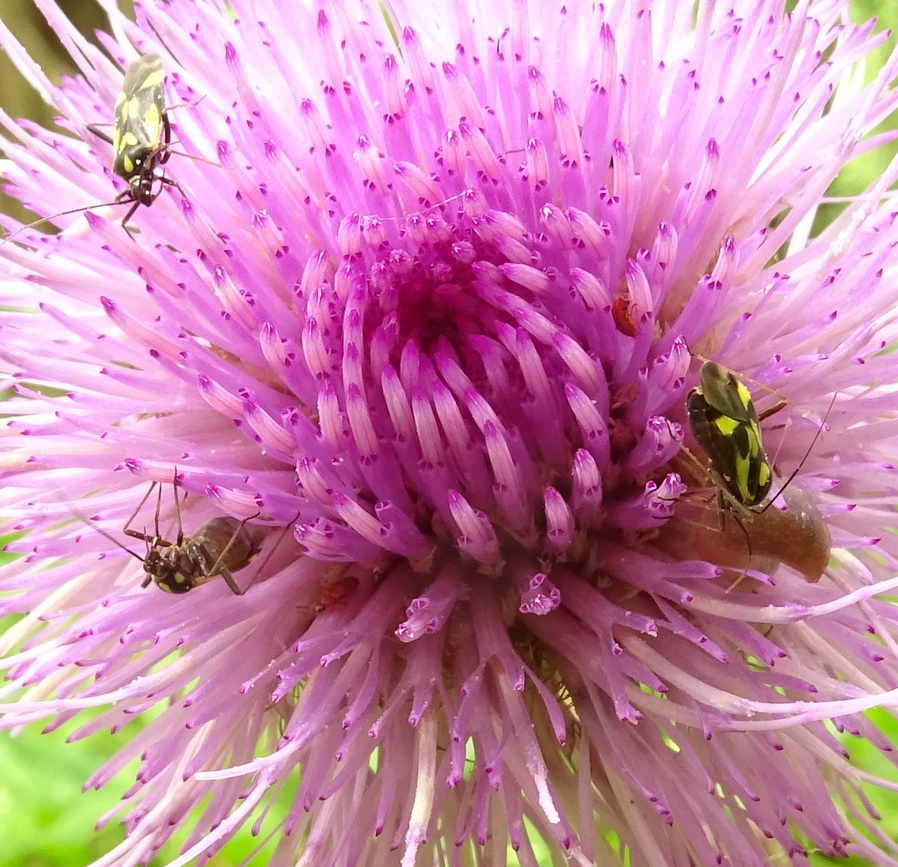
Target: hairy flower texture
[{"x": 418, "y": 324}]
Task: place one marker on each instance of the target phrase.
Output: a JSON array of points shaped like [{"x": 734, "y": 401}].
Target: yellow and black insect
[
  {"x": 141, "y": 133},
  {"x": 141, "y": 139},
  {"x": 725, "y": 423},
  {"x": 219, "y": 548}
]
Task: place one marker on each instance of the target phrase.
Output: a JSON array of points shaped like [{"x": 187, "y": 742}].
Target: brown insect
[{"x": 218, "y": 548}]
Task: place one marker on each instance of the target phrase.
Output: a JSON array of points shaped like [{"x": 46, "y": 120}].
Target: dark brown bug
[{"x": 218, "y": 548}]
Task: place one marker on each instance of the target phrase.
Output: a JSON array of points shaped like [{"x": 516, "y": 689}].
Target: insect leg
[
  {"x": 133, "y": 533},
  {"x": 264, "y": 562},
  {"x": 174, "y": 483},
  {"x": 795, "y": 472},
  {"x": 721, "y": 509},
  {"x": 130, "y": 214},
  {"x": 219, "y": 568},
  {"x": 168, "y": 182},
  {"x": 745, "y": 533},
  {"x": 93, "y": 128},
  {"x": 229, "y": 580},
  {"x": 165, "y": 155},
  {"x": 766, "y": 413}
]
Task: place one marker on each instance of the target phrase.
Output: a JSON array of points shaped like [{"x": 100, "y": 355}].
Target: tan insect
[{"x": 218, "y": 548}]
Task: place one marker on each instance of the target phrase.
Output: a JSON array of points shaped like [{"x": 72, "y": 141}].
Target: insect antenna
[
  {"x": 52, "y": 217},
  {"x": 96, "y": 527},
  {"x": 806, "y": 455},
  {"x": 106, "y": 534}
]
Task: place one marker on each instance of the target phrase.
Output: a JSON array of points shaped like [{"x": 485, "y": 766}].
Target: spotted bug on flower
[
  {"x": 622, "y": 313},
  {"x": 725, "y": 423},
  {"x": 218, "y": 548},
  {"x": 140, "y": 140},
  {"x": 141, "y": 133}
]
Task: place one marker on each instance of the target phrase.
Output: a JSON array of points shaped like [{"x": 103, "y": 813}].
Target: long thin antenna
[
  {"x": 810, "y": 448},
  {"x": 52, "y": 217}
]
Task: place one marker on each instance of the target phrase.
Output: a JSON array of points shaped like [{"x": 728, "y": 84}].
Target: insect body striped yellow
[
  {"x": 725, "y": 423},
  {"x": 141, "y": 139},
  {"x": 141, "y": 133}
]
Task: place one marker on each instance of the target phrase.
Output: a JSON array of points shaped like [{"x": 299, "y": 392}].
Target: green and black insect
[
  {"x": 725, "y": 423},
  {"x": 141, "y": 140},
  {"x": 218, "y": 548}
]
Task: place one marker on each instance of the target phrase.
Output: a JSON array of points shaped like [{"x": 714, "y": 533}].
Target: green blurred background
[{"x": 45, "y": 819}]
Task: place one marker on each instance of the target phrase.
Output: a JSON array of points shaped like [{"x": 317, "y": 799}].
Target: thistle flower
[{"x": 420, "y": 317}]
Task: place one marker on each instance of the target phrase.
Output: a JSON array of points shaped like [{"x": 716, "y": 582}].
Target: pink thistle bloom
[{"x": 420, "y": 326}]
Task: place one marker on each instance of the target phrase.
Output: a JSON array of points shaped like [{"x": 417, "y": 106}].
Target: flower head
[{"x": 405, "y": 340}]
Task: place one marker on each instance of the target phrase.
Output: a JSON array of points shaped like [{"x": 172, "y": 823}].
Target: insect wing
[
  {"x": 229, "y": 543},
  {"x": 141, "y": 131},
  {"x": 218, "y": 548},
  {"x": 727, "y": 394}
]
